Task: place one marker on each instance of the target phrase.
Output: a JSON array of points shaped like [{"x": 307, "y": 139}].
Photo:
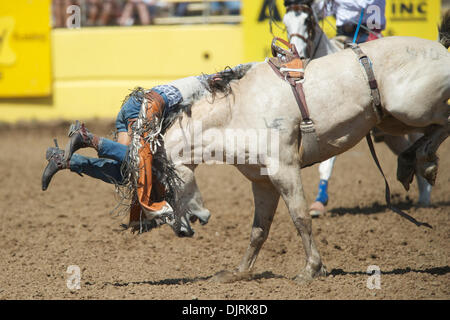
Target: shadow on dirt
[
  {"x": 270, "y": 275},
  {"x": 178, "y": 281},
  {"x": 434, "y": 271},
  {"x": 376, "y": 208}
]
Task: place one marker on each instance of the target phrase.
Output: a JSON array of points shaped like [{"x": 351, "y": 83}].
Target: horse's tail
[{"x": 444, "y": 30}]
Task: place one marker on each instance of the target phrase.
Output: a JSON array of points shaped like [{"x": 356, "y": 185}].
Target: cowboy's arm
[
  {"x": 122, "y": 130},
  {"x": 324, "y": 8}
]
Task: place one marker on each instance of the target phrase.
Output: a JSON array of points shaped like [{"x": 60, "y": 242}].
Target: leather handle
[{"x": 277, "y": 49}]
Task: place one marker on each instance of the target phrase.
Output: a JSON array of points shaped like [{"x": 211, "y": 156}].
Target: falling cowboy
[{"x": 137, "y": 161}]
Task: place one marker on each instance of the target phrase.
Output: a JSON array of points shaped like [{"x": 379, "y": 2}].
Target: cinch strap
[{"x": 375, "y": 93}]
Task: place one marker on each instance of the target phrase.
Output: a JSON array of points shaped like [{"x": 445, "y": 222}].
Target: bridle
[{"x": 311, "y": 22}]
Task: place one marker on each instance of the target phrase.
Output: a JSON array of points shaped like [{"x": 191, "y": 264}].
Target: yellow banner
[
  {"x": 415, "y": 18},
  {"x": 25, "y": 58},
  {"x": 256, "y": 28}
]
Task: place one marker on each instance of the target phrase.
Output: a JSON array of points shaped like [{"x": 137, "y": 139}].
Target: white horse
[
  {"x": 340, "y": 104},
  {"x": 301, "y": 24}
]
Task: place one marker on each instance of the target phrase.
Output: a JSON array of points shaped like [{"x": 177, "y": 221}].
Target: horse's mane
[
  {"x": 220, "y": 81},
  {"x": 214, "y": 84}
]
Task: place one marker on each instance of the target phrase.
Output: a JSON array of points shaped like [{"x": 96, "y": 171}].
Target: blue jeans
[{"x": 106, "y": 167}]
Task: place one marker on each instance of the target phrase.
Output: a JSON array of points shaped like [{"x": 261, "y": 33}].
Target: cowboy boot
[
  {"x": 80, "y": 137},
  {"x": 56, "y": 162}
]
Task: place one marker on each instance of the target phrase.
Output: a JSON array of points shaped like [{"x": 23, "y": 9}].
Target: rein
[{"x": 387, "y": 193}]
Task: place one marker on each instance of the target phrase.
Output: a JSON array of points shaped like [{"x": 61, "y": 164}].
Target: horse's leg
[
  {"x": 424, "y": 191},
  {"x": 288, "y": 182},
  {"x": 266, "y": 201},
  {"x": 398, "y": 144},
  {"x": 191, "y": 196},
  {"x": 424, "y": 187},
  {"x": 421, "y": 157},
  {"x": 427, "y": 160},
  {"x": 317, "y": 208}
]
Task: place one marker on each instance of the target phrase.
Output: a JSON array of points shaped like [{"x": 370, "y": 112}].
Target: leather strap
[
  {"x": 309, "y": 146},
  {"x": 276, "y": 49},
  {"x": 375, "y": 93},
  {"x": 298, "y": 35},
  {"x": 388, "y": 191},
  {"x": 297, "y": 89},
  {"x": 365, "y": 61}
]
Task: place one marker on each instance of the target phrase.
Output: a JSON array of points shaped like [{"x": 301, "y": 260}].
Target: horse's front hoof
[
  {"x": 317, "y": 209},
  {"x": 308, "y": 275},
  {"x": 226, "y": 276},
  {"x": 322, "y": 272},
  {"x": 303, "y": 278}
]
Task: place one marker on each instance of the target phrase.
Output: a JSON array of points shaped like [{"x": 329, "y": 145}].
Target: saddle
[{"x": 288, "y": 65}]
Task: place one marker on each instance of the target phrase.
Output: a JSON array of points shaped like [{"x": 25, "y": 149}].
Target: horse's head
[{"x": 300, "y": 24}]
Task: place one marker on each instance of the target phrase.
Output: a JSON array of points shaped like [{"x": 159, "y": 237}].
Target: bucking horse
[{"x": 412, "y": 78}]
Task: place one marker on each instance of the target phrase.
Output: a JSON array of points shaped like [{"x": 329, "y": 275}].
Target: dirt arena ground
[{"x": 42, "y": 233}]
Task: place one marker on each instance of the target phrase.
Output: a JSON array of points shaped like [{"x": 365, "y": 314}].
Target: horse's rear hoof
[
  {"x": 317, "y": 209},
  {"x": 430, "y": 173}
]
